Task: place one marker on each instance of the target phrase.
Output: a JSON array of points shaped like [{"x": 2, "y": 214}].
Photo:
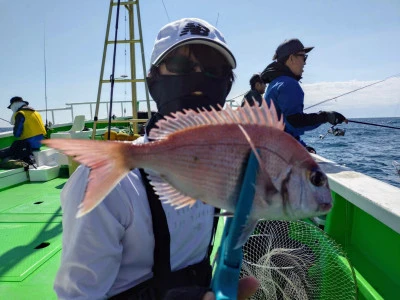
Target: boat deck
[
  {"x": 364, "y": 221},
  {"x": 30, "y": 234}
]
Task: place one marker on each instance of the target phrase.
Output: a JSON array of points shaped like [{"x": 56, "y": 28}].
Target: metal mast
[{"x": 133, "y": 80}]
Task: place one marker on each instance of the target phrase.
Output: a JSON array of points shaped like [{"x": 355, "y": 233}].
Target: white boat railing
[
  {"x": 75, "y": 108},
  {"x": 375, "y": 197}
]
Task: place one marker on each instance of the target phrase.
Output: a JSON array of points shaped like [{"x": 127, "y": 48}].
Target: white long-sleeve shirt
[{"x": 110, "y": 249}]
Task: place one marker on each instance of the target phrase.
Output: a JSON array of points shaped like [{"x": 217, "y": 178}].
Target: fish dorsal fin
[
  {"x": 246, "y": 115},
  {"x": 168, "y": 194}
]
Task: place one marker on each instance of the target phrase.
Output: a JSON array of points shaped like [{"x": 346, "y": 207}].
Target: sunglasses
[
  {"x": 303, "y": 55},
  {"x": 183, "y": 65}
]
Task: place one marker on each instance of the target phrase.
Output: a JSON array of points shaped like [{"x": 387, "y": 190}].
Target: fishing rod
[
  {"x": 330, "y": 99},
  {"x": 5, "y": 120},
  {"x": 372, "y": 124},
  {"x": 112, "y": 80},
  {"x": 45, "y": 72},
  {"x": 238, "y": 96}
]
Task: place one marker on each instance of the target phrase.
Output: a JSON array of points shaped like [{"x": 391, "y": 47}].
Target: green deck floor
[{"x": 30, "y": 235}]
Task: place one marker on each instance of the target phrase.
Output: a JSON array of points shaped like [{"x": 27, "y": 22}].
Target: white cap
[{"x": 189, "y": 31}]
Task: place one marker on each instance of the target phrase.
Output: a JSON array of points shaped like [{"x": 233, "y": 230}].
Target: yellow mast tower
[{"x": 132, "y": 40}]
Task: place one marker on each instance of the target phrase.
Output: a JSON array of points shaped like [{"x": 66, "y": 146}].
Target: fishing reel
[{"x": 334, "y": 131}]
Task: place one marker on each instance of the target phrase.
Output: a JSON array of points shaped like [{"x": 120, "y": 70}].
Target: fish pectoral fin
[
  {"x": 265, "y": 173},
  {"x": 168, "y": 194},
  {"x": 248, "y": 229},
  {"x": 251, "y": 143}
]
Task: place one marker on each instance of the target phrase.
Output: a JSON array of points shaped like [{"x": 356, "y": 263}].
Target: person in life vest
[{"x": 28, "y": 128}]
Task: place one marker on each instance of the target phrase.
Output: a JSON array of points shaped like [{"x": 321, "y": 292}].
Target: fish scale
[{"x": 194, "y": 169}]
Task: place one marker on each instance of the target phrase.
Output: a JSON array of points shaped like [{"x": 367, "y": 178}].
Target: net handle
[{"x": 226, "y": 276}]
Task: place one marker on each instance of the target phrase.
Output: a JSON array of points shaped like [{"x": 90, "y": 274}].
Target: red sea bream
[{"x": 202, "y": 155}]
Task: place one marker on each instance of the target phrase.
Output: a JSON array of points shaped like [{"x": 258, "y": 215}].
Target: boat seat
[
  {"x": 76, "y": 131},
  {"x": 50, "y": 157}
]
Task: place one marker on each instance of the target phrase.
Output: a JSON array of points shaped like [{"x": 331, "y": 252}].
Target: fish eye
[{"x": 318, "y": 178}]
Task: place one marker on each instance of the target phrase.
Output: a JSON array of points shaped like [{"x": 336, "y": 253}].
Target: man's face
[
  {"x": 190, "y": 77},
  {"x": 296, "y": 63},
  {"x": 184, "y": 52},
  {"x": 260, "y": 87}
]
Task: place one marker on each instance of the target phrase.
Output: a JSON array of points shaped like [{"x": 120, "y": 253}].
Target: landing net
[{"x": 296, "y": 260}]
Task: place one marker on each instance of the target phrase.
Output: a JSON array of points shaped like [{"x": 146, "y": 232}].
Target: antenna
[{"x": 216, "y": 23}]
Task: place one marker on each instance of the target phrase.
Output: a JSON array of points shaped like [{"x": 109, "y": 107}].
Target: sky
[{"x": 356, "y": 43}]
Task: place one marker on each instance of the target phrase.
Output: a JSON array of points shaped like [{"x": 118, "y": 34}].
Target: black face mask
[{"x": 174, "y": 93}]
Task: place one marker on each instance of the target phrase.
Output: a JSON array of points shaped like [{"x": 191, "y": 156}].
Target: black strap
[
  {"x": 164, "y": 280},
  {"x": 197, "y": 275},
  {"x": 214, "y": 229},
  {"x": 162, "y": 264}
]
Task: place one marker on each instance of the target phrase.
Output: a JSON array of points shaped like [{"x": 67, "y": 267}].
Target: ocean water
[{"x": 364, "y": 148}]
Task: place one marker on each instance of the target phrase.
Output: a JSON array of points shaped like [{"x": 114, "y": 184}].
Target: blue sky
[{"x": 356, "y": 43}]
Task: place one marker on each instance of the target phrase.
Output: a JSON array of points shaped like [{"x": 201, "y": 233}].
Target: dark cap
[
  {"x": 255, "y": 78},
  {"x": 17, "y": 99},
  {"x": 289, "y": 47}
]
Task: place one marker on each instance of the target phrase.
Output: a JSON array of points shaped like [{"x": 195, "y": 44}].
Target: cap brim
[
  {"x": 217, "y": 46},
  {"x": 308, "y": 49},
  {"x": 26, "y": 103}
]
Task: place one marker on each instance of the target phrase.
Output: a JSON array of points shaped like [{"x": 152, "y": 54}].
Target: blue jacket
[{"x": 288, "y": 97}]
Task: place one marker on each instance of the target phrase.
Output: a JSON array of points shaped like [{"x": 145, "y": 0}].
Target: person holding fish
[
  {"x": 284, "y": 90},
  {"x": 129, "y": 244}
]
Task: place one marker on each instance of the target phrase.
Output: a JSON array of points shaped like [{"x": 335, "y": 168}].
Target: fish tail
[{"x": 107, "y": 162}]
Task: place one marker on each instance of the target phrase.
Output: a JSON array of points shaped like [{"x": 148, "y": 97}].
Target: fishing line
[
  {"x": 165, "y": 8},
  {"x": 323, "y": 136},
  {"x": 330, "y": 99},
  {"x": 372, "y": 124},
  {"x": 216, "y": 23}
]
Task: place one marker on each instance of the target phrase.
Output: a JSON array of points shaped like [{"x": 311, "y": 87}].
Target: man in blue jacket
[{"x": 284, "y": 90}]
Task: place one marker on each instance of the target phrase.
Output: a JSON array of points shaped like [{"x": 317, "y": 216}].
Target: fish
[{"x": 202, "y": 155}]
